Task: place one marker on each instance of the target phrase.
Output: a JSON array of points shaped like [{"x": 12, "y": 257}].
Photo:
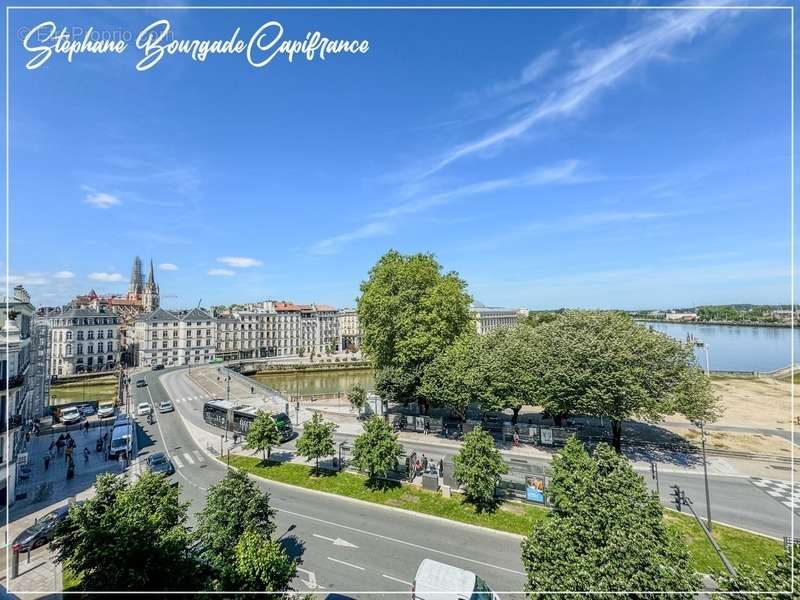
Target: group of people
[{"x": 421, "y": 464}]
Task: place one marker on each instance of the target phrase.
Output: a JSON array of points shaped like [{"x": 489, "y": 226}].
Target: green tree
[
  {"x": 773, "y": 581},
  {"x": 357, "y": 396},
  {"x": 604, "y": 364},
  {"x": 263, "y": 434},
  {"x": 128, "y": 537},
  {"x": 262, "y": 564},
  {"x": 606, "y": 532},
  {"x": 233, "y": 506},
  {"x": 409, "y": 312},
  {"x": 508, "y": 359},
  {"x": 376, "y": 451},
  {"x": 317, "y": 439},
  {"x": 453, "y": 378},
  {"x": 478, "y": 467}
]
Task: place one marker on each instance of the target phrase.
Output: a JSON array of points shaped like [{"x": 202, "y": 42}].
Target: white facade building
[
  {"x": 83, "y": 340},
  {"x": 272, "y": 328},
  {"x": 22, "y": 376},
  {"x": 488, "y": 318},
  {"x": 349, "y": 329},
  {"x": 162, "y": 337}
]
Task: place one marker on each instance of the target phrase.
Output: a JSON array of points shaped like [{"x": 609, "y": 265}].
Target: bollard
[
  {"x": 14, "y": 564},
  {"x": 29, "y": 555}
]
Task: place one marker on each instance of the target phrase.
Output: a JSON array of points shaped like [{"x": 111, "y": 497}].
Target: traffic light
[{"x": 678, "y": 497}]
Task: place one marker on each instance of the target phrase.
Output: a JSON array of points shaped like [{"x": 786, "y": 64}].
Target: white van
[{"x": 438, "y": 581}]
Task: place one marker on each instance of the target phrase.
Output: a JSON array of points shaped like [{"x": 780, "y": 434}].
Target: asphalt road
[{"x": 347, "y": 548}]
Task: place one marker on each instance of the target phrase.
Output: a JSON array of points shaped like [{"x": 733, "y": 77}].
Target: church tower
[
  {"x": 150, "y": 293},
  {"x": 135, "y": 285}
]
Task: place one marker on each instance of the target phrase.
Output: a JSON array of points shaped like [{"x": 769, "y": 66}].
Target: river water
[
  {"x": 735, "y": 348},
  {"x": 318, "y": 382}
]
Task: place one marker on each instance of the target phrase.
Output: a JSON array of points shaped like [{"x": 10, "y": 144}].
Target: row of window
[
  {"x": 198, "y": 343},
  {"x": 109, "y": 347},
  {"x": 85, "y": 321}
]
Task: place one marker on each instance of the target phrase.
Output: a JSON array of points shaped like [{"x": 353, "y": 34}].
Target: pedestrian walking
[
  {"x": 424, "y": 463},
  {"x": 86, "y": 427},
  {"x": 441, "y": 468},
  {"x": 427, "y": 426},
  {"x": 46, "y": 461},
  {"x": 515, "y": 440},
  {"x": 27, "y": 436},
  {"x": 86, "y": 455},
  {"x": 68, "y": 454},
  {"x": 52, "y": 445}
]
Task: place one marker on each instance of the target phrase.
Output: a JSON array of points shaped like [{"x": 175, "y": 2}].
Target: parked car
[
  {"x": 143, "y": 409},
  {"x": 159, "y": 463},
  {"x": 41, "y": 531},
  {"x": 105, "y": 410},
  {"x": 70, "y": 415},
  {"x": 165, "y": 407},
  {"x": 86, "y": 409},
  {"x": 438, "y": 581},
  {"x": 141, "y": 383},
  {"x": 157, "y": 367}
]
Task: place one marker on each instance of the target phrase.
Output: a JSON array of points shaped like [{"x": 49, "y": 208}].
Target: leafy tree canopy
[
  {"x": 773, "y": 582},
  {"x": 453, "y": 378},
  {"x": 409, "y": 312},
  {"x": 478, "y": 467},
  {"x": 128, "y": 537},
  {"x": 603, "y": 364},
  {"x": 317, "y": 438},
  {"x": 606, "y": 533},
  {"x": 357, "y": 396},
  {"x": 262, "y": 564},
  {"x": 263, "y": 433},
  {"x": 234, "y": 505},
  {"x": 376, "y": 451}
]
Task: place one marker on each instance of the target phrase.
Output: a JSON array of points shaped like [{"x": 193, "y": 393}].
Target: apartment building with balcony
[
  {"x": 83, "y": 340},
  {"x": 163, "y": 337}
]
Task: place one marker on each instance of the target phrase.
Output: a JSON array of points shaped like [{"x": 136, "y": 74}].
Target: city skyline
[{"x": 609, "y": 160}]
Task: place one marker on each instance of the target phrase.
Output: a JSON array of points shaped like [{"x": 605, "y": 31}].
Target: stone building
[
  {"x": 349, "y": 329},
  {"x": 164, "y": 337},
  {"x": 488, "y": 318},
  {"x": 83, "y": 340}
]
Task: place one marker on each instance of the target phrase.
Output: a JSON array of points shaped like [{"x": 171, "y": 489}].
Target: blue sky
[{"x": 630, "y": 159}]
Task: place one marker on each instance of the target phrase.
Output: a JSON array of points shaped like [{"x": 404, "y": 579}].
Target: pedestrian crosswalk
[
  {"x": 782, "y": 491},
  {"x": 186, "y": 458},
  {"x": 192, "y": 399}
]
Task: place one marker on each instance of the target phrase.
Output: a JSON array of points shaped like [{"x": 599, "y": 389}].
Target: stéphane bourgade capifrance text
[{"x": 156, "y": 41}]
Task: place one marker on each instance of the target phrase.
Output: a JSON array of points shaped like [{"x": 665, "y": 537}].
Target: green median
[{"x": 741, "y": 547}]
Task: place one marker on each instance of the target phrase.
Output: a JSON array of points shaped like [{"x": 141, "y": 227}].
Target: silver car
[{"x": 165, "y": 407}]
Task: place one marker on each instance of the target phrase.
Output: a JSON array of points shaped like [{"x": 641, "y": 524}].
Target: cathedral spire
[{"x": 136, "y": 283}]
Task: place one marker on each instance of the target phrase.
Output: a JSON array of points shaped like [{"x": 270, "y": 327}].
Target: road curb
[{"x": 190, "y": 427}]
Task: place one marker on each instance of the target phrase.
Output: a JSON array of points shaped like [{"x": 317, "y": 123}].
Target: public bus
[
  {"x": 121, "y": 440},
  {"x": 238, "y": 417}
]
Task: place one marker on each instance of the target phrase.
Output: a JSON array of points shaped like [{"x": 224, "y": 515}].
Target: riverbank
[{"x": 724, "y": 323}]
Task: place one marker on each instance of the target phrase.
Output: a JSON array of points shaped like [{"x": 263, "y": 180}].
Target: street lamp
[{"x": 701, "y": 424}]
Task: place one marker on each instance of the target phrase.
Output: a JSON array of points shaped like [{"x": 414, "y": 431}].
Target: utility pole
[
  {"x": 681, "y": 499},
  {"x": 654, "y": 473},
  {"x": 705, "y": 473}
]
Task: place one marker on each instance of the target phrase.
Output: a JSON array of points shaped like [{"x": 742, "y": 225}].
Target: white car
[
  {"x": 143, "y": 409},
  {"x": 70, "y": 415},
  {"x": 438, "y": 581},
  {"x": 105, "y": 410}
]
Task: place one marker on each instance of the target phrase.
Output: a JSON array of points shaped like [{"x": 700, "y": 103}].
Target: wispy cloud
[
  {"x": 240, "y": 262},
  {"x": 592, "y": 71},
  {"x": 561, "y": 173},
  {"x": 332, "y": 245},
  {"x": 168, "y": 267},
  {"x": 106, "y": 277},
  {"x": 64, "y": 275},
  {"x": 99, "y": 199},
  {"x": 221, "y": 273},
  {"x": 28, "y": 279}
]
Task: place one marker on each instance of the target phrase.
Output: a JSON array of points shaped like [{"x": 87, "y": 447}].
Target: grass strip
[
  {"x": 741, "y": 547},
  {"x": 95, "y": 390}
]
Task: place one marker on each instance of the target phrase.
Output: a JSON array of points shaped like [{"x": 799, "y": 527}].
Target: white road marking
[
  {"x": 178, "y": 462},
  {"x": 391, "y": 539},
  {"x": 198, "y": 456},
  {"x": 336, "y": 542},
  {"x": 341, "y": 562},
  {"x": 395, "y": 579},
  {"x": 188, "y": 458}
]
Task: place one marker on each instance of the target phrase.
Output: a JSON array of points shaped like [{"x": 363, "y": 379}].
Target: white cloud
[
  {"x": 239, "y": 262},
  {"x": 64, "y": 275},
  {"x": 593, "y": 71},
  {"x": 99, "y": 199},
  {"x": 221, "y": 272},
  {"x": 168, "y": 267},
  {"x": 561, "y": 173},
  {"x": 332, "y": 245},
  {"x": 106, "y": 277}
]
